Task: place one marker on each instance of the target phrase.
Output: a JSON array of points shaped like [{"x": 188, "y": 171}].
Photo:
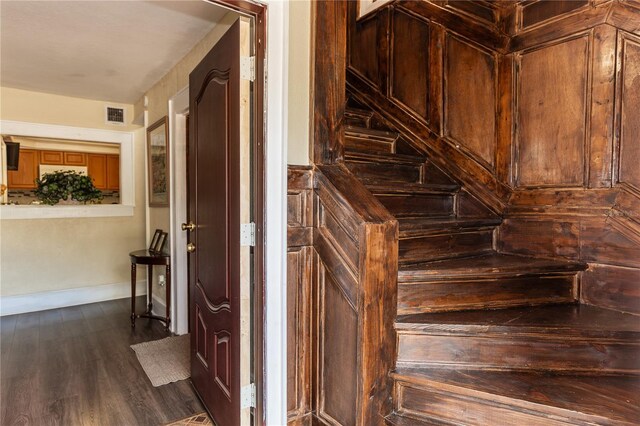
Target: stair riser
[
  {"x": 445, "y": 246},
  {"x": 478, "y": 293},
  {"x": 580, "y": 355},
  {"x": 410, "y": 205},
  {"x": 373, "y": 145},
  {"x": 386, "y": 172},
  {"x": 356, "y": 120},
  {"x": 445, "y": 405}
]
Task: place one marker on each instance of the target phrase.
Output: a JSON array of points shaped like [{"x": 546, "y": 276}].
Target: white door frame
[
  {"x": 178, "y": 108},
  {"x": 275, "y": 301}
]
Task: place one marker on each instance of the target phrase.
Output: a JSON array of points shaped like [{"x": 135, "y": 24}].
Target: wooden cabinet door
[
  {"x": 113, "y": 172},
  {"x": 25, "y": 176},
  {"x": 51, "y": 157},
  {"x": 97, "y": 169},
  {"x": 75, "y": 159}
]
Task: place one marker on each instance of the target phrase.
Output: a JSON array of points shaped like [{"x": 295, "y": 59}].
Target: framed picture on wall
[{"x": 158, "y": 161}]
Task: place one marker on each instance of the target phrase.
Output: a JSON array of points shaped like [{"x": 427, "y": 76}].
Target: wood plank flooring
[{"x": 74, "y": 366}]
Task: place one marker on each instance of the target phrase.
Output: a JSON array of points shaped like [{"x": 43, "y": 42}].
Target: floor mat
[{"x": 166, "y": 360}]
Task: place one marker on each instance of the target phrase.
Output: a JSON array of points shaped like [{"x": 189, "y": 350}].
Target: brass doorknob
[
  {"x": 191, "y": 247},
  {"x": 188, "y": 226}
]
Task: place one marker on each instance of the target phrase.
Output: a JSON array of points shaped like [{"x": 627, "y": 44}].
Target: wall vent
[{"x": 115, "y": 115}]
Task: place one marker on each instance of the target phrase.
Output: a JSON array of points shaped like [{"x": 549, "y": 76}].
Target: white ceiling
[{"x": 105, "y": 50}]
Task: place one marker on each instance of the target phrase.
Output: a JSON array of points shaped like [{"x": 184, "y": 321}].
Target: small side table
[{"x": 150, "y": 258}]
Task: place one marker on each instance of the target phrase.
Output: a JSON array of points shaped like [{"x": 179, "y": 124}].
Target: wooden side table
[{"x": 150, "y": 258}]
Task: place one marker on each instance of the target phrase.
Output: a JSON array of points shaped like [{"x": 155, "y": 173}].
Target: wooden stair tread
[
  {"x": 410, "y": 227},
  {"x": 382, "y": 158},
  {"x": 358, "y": 111},
  {"x": 411, "y": 188},
  {"x": 561, "y": 320},
  {"x": 365, "y": 132},
  {"x": 614, "y": 398},
  {"x": 493, "y": 264}
]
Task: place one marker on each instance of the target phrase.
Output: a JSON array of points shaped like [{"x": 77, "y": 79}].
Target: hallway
[{"x": 74, "y": 366}]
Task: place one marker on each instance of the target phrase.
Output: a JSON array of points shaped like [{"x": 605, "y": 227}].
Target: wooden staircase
[{"x": 487, "y": 338}]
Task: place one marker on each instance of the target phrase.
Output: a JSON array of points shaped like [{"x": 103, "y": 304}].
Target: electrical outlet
[{"x": 161, "y": 280}]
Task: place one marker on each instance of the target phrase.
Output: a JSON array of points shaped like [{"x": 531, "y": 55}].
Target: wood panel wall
[
  {"x": 300, "y": 260},
  {"x": 534, "y": 106},
  {"x": 342, "y": 268}
]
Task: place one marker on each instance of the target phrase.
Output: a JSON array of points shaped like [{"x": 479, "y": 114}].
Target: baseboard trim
[{"x": 20, "y": 304}]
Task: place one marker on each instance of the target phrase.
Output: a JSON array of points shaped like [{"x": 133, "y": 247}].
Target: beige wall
[
  {"x": 299, "y": 70},
  {"x": 38, "y": 255},
  {"x": 37, "y": 107}
]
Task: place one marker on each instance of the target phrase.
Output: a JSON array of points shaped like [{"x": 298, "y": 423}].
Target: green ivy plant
[{"x": 65, "y": 185}]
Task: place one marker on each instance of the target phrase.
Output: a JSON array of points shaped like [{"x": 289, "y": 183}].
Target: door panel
[{"x": 214, "y": 207}]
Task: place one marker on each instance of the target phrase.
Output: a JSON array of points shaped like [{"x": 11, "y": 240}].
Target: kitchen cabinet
[
  {"x": 97, "y": 170},
  {"x": 75, "y": 158},
  {"x": 27, "y": 173},
  {"x": 104, "y": 170},
  {"x": 113, "y": 172},
  {"x": 51, "y": 157}
]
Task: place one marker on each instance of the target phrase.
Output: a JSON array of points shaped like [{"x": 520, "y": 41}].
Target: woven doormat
[
  {"x": 199, "y": 419},
  {"x": 166, "y": 360}
]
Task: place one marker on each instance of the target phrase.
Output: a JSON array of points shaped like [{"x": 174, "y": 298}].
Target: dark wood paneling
[
  {"x": 602, "y": 103},
  {"x": 629, "y": 105},
  {"x": 547, "y": 238},
  {"x": 551, "y": 114},
  {"x": 330, "y": 55},
  {"x": 362, "y": 57},
  {"x": 338, "y": 357},
  {"x": 470, "y": 98},
  {"x": 612, "y": 287},
  {"x": 299, "y": 274},
  {"x": 537, "y": 12},
  {"x": 462, "y": 23},
  {"x": 357, "y": 251},
  {"x": 476, "y": 9},
  {"x": 299, "y": 206},
  {"x": 410, "y": 64},
  {"x": 299, "y": 285}
]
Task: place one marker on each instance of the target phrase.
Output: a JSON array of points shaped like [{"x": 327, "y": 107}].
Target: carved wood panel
[
  {"x": 551, "y": 114},
  {"x": 410, "y": 64},
  {"x": 629, "y": 107},
  {"x": 470, "y": 98},
  {"x": 337, "y": 353},
  {"x": 363, "y": 57},
  {"x": 537, "y": 12},
  {"x": 300, "y": 257},
  {"x": 299, "y": 280}
]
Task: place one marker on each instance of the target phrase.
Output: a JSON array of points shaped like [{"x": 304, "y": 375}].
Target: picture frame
[
  {"x": 158, "y": 162},
  {"x": 161, "y": 242},
  {"x": 155, "y": 239}
]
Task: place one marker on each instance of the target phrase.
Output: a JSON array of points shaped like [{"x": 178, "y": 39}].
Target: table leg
[
  {"x": 150, "y": 291},
  {"x": 168, "y": 296},
  {"x": 133, "y": 295}
]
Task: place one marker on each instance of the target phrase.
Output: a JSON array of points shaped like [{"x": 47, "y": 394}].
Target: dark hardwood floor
[{"x": 74, "y": 366}]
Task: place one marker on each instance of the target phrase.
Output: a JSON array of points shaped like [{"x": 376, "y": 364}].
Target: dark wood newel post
[{"x": 330, "y": 56}]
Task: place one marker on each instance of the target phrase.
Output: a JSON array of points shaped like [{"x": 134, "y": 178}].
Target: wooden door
[{"x": 215, "y": 262}]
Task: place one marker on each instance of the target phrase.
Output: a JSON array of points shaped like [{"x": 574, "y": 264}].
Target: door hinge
[
  {"x": 248, "y": 234},
  {"x": 248, "y": 68},
  {"x": 248, "y": 396}
]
